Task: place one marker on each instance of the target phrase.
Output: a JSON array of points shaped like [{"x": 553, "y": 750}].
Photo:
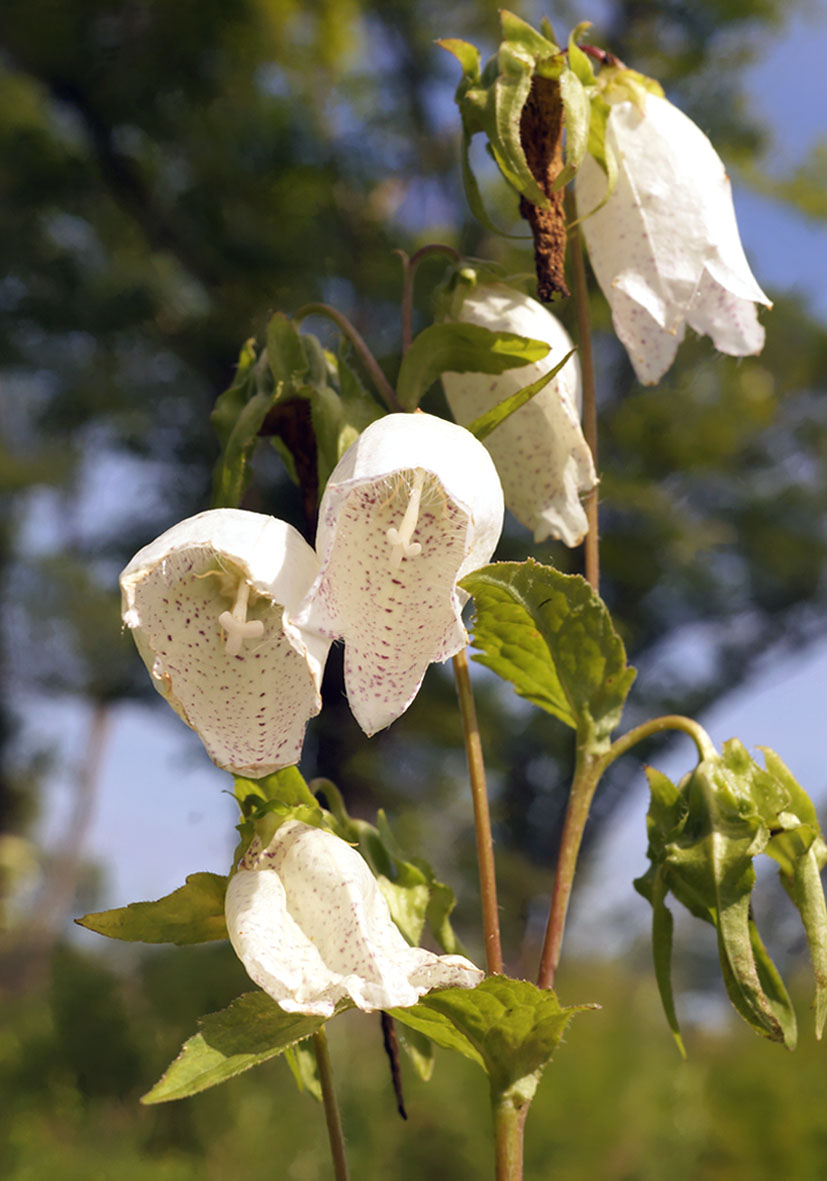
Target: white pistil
[
  {"x": 236, "y": 624},
  {"x": 400, "y": 539}
]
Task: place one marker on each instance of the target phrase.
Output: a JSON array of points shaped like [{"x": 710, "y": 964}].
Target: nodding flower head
[
  {"x": 542, "y": 458},
  {"x": 207, "y": 604},
  {"x": 308, "y": 921},
  {"x": 410, "y": 508},
  {"x": 665, "y": 247}
]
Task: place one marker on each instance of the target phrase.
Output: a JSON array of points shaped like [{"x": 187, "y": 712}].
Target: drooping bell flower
[
  {"x": 412, "y": 506},
  {"x": 541, "y": 456},
  {"x": 308, "y": 921},
  {"x": 665, "y": 247},
  {"x": 208, "y": 605}
]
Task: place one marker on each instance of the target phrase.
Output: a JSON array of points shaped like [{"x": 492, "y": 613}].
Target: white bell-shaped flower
[
  {"x": 665, "y": 247},
  {"x": 412, "y": 506},
  {"x": 308, "y": 921},
  {"x": 541, "y": 456},
  {"x": 208, "y": 605}
]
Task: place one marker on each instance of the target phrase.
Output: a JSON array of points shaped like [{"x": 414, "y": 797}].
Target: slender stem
[
  {"x": 331, "y": 1107},
  {"x": 409, "y": 265},
  {"x": 509, "y": 1125},
  {"x": 584, "y": 334},
  {"x": 577, "y": 813},
  {"x": 381, "y": 382},
  {"x": 587, "y": 774},
  {"x": 704, "y": 744},
  {"x": 482, "y": 818}
]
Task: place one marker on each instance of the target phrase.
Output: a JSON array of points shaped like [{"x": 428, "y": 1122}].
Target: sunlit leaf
[{"x": 194, "y": 913}]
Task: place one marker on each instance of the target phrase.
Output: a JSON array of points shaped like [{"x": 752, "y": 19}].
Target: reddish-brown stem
[
  {"x": 409, "y": 265},
  {"x": 367, "y": 358},
  {"x": 584, "y": 340},
  {"x": 482, "y": 818}
]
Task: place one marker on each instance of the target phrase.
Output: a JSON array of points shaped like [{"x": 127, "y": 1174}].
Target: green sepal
[
  {"x": 482, "y": 427},
  {"x": 473, "y": 194},
  {"x": 420, "y": 1051},
  {"x": 251, "y": 1031},
  {"x": 578, "y": 60},
  {"x": 577, "y": 113},
  {"x": 460, "y": 348},
  {"x": 466, "y": 54},
  {"x": 301, "y": 1058},
  {"x": 508, "y": 1027},
  {"x": 237, "y": 417},
  {"x": 338, "y": 418},
  {"x": 551, "y": 636},
  {"x": 194, "y": 913}
]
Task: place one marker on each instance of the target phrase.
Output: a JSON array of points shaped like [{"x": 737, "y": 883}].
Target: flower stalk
[{"x": 331, "y": 1108}]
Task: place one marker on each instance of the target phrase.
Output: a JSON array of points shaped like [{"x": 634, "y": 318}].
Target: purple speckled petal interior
[
  {"x": 251, "y": 708},
  {"x": 397, "y": 618},
  {"x": 309, "y": 923}
]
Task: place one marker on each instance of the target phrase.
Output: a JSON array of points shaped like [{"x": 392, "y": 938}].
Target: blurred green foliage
[{"x": 616, "y": 1104}]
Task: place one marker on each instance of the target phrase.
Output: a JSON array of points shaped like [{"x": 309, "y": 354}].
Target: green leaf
[
  {"x": 509, "y": 1027},
  {"x": 301, "y": 1059},
  {"x": 552, "y": 637},
  {"x": 286, "y": 355},
  {"x": 482, "y": 427},
  {"x": 339, "y": 418},
  {"x": 508, "y": 95},
  {"x": 287, "y": 787},
  {"x": 251, "y": 1031},
  {"x": 420, "y": 1051},
  {"x": 473, "y": 195},
  {"x": 514, "y": 29},
  {"x": 460, "y": 348},
  {"x": 194, "y": 913}
]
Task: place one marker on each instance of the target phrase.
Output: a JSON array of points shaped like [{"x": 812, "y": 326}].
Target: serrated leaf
[
  {"x": 482, "y": 427},
  {"x": 552, "y": 637},
  {"x": 460, "y": 348},
  {"x": 194, "y": 913},
  {"x": 251, "y": 1031},
  {"x": 301, "y": 1059},
  {"x": 509, "y": 1027}
]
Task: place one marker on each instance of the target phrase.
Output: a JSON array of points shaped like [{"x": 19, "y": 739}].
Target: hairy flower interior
[
  {"x": 409, "y": 488},
  {"x": 235, "y": 623}
]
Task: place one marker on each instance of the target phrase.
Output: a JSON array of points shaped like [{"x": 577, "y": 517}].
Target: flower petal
[
  {"x": 540, "y": 453},
  {"x": 397, "y": 608},
  {"x": 665, "y": 247},
  {"x": 308, "y": 921},
  {"x": 222, "y": 573}
]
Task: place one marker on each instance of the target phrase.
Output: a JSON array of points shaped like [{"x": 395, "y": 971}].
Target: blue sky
[{"x": 161, "y": 812}]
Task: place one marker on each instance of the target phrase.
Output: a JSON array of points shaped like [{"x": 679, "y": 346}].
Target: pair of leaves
[
  {"x": 508, "y": 1027},
  {"x": 703, "y": 838},
  {"x": 551, "y": 636}
]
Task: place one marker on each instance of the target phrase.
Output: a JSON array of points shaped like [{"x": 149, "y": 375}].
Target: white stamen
[
  {"x": 400, "y": 539},
  {"x": 236, "y": 624}
]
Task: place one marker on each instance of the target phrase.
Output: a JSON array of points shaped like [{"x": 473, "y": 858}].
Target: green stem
[
  {"x": 482, "y": 818},
  {"x": 703, "y": 743},
  {"x": 381, "y": 382},
  {"x": 331, "y": 1107},
  {"x": 588, "y": 770},
  {"x": 409, "y": 265},
  {"x": 584, "y": 339},
  {"x": 509, "y": 1125}
]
